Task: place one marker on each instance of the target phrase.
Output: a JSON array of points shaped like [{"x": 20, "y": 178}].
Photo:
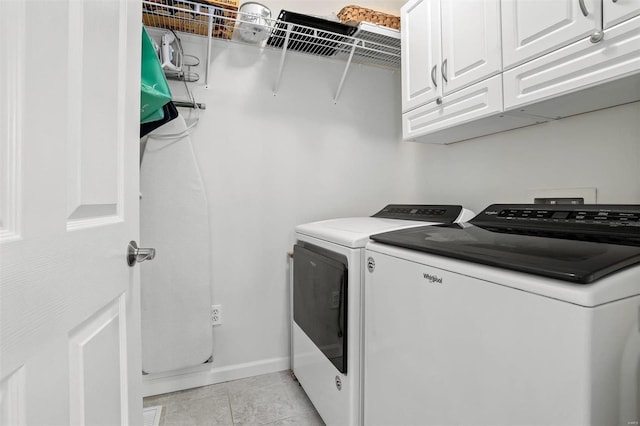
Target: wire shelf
[
  {"x": 374, "y": 44},
  {"x": 366, "y": 44}
]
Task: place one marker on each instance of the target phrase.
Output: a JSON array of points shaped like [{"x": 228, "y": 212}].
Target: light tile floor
[{"x": 274, "y": 399}]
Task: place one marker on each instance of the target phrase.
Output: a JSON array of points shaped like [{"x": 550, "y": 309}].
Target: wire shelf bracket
[
  {"x": 207, "y": 64},
  {"x": 276, "y": 86},
  {"x": 346, "y": 70}
]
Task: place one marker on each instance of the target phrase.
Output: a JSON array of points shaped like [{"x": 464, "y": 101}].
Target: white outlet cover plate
[{"x": 588, "y": 194}]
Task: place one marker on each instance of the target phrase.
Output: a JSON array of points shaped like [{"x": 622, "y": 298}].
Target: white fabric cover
[{"x": 176, "y": 287}]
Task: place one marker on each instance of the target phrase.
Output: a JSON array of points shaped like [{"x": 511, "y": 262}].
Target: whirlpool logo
[{"x": 433, "y": 279}]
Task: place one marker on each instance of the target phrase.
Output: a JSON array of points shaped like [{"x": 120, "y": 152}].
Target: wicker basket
[
  {"x": 353, "y": 15},
  {"x": 181, "y": 16}
]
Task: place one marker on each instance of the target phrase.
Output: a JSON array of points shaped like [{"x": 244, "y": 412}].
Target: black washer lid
[{"x": 573, "y": 243}]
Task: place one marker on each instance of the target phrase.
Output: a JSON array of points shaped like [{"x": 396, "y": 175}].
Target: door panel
[
  {"x": 616, "y": 11},
  {"x": 94, "y": 124},
  {"x": 12, "y": 89},
  {"x": 470, "y": 42},
  {"x": 581, "y": 65},
  {"x": 97, "y": 350},
  {"x": 13, "y": 398},
  {"x": 69, "y": 303},
  {"x": 532, "y": 28},
  {"x": 472, "y": 103},
  {"x": 420, "y": 53}
]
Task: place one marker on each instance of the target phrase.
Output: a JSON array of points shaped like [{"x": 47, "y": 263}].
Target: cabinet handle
[
  {"x": 433, "y": 75},
  {"x": 583, "y": 8},
  {"x": 615, "y": 1},
  {"x": 444, "y": 71}
]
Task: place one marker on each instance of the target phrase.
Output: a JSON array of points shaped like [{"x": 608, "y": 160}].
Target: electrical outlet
[{"x": 216, "y": 314}]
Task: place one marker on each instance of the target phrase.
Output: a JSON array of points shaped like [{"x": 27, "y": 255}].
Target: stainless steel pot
[{"x": 254, "y": 23}]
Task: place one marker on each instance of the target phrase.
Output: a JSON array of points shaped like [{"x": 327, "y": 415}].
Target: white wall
[
  {"x": 596, "y": 150},
  {"x": 272, "y": 162}
]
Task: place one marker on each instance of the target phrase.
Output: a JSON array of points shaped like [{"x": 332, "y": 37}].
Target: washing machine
[
  {"x": 327, "y": 281},
  {"x": 527, "y": 315}
]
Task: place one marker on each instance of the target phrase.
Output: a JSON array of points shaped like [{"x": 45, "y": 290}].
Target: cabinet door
[
  {"x": 420, "y": 52},
  {"x": 470, "y": 42},
  {"x": 531, "y": 28},
  {"x": 616, "y": 11},
  {"x": 472, "y": 103},
  {"x": 581, "y": 65}
]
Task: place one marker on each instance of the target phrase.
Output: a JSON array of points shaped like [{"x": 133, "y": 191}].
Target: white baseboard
[{"x": 208, "y": 374}]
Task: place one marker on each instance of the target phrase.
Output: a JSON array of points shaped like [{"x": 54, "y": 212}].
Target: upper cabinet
[
  {"x": 470, "y": 42},
  {"x": 531, "y": 28},
  {"x": 475, "y": 67},
  {"x": 616, "y": 11},
  {"x": 451, "y": 71},
  {"x": 447, "y": 45}
]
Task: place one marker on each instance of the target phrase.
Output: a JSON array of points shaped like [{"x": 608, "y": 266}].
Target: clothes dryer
[
  {"x": 527, "y": 315},
  {"x": 327, "y": 311}
]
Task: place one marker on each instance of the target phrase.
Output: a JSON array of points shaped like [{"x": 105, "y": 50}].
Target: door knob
[{"x": 137, "y": 254}]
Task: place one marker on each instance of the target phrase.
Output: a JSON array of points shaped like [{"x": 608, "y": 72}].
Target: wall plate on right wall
[{"x": 562, "y": 196}]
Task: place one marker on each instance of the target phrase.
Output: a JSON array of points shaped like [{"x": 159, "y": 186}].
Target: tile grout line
[{"x": 226, "y": 392}]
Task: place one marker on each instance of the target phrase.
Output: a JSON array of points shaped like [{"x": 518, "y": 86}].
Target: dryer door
[{"x": 320, "y": 300}]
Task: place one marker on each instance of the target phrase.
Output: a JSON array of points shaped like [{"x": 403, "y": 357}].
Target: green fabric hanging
[{"x": 154, "y": 89}]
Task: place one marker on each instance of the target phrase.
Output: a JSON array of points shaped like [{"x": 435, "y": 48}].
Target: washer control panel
[
  {"x": 421, "y": 212},
  {"x": 619, "y": 223},
  {"x": 562, "y": 215}
]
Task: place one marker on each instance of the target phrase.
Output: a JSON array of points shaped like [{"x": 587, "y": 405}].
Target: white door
[
  {"x": 69, "y": 303},
  {"x": 421, "y": 81},
  {"x": 616, "y": 11},
  {"x": 531, "y": 28},
  {"x": 470, "y": 42}
]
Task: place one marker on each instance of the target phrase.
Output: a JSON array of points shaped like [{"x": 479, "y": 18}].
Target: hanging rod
[{"x": 185, "y": 104}]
